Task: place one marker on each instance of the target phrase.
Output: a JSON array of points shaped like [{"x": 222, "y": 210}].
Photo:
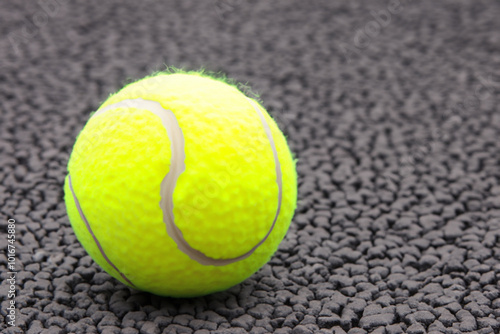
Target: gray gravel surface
[{"x": 392, "y": 112}]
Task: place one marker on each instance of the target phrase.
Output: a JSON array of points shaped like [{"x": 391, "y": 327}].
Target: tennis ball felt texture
[{"x": 180, "y": 185}]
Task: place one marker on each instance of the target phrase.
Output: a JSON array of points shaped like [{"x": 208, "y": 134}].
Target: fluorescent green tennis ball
[{"x": 180, "y": 185}]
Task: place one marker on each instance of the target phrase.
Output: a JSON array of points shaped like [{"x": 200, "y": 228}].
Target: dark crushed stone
[
  {"x": 394, "y": 329},
  {"x": 300, "y": 329},
  {"x": 372, "y": 321},
  {"x": 150, "y": 328},
  {"x": 416, "y": 329},
  {"x": 245, "y": 321}
]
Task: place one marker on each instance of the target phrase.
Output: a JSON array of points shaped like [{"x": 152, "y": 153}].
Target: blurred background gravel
[{"x": 392, "y": 112}]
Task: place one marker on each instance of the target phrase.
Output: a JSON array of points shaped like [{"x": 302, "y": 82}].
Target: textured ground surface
[{"x": 395, "y": 127}]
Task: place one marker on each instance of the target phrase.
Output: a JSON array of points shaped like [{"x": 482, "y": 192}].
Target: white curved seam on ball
[
  {"x": 89, "y": 229},
  {"x": 177, "y": 167},
  {"x": 277, "y": 166},
  {"x": 279, "y": 182}
]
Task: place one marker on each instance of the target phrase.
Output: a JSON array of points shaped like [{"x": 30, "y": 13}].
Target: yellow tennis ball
[{"x": 180, "y": 185}]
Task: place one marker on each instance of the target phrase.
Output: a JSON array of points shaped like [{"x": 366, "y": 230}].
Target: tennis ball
[{"x": 180, "y": 185}]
